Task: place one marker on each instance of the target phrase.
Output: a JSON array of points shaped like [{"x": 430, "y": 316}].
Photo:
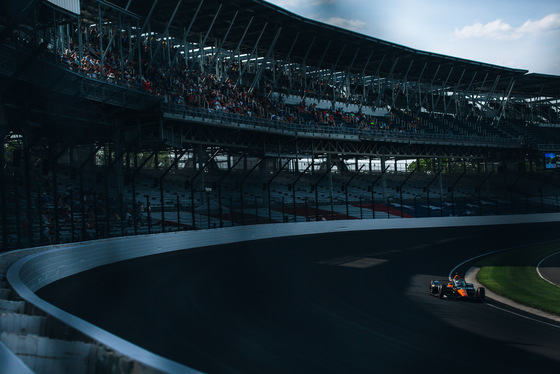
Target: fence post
[
  {"x": 149, "y": 210},
  {"x": 178, "y": 213},
  {"x": 208, "y": 207},
  {"x": 361, "y": 212}
]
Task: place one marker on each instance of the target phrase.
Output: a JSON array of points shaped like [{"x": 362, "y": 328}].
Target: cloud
[
  {"x": 349, "y": 24},
  {"x": 548, "y": 23},
  {"x": 500, "y": 30}
]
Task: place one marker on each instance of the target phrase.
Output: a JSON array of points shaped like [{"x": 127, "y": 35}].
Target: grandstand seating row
[
  {"x": 181, "y": 86},
  {"x": 251, "y": 202}
]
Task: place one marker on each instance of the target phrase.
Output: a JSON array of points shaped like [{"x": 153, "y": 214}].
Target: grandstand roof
[
  {"x": 324, "y": 46},
  {"x": 538, "y": 85}
]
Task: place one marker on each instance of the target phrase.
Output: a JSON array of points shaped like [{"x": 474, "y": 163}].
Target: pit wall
[{"x": 36, "y": 336}]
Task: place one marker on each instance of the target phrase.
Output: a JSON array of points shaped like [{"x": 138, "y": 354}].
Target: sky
[{"x": 523, "y": 34}]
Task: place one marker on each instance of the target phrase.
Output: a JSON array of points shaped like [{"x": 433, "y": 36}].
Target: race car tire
[
  {"x": 433, "y": 289},
  {"x": 441, "y": 292},
  {"x": 480, "y": 293}
]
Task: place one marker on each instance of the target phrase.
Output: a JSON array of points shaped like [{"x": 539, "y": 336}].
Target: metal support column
[
  {"x": 230, "y": 169},
  {"x": 400, "y": 188},
  {"x": 303, "y": 65},
  {"x": 237, "y": 50},
  {"x": 264, "y": 61},
  {"x": 443, "y": 89},
  {"x": 55, "y": 193},
  {"x": 362, "y": 75},
  {"x": 427, "y": 188},
  {"x": 191, "y": 183},
  {"x": 346, "y": 188},
  {"x": 240, "y": 78},
  {"x": 101, "y": 62},
  {"x": 316, "y": 188},
  {"x": 160, "y": 182},
  {"x": 452, "y": 189},
  {"x": 241, "y": 188},
  {"x": 132, "y": 181},
  {"x": 268, "y": 188},
  {"x": 294, "y": 186},
  {"x": 165, "y": 33},
  {"x": 287, "y": 59},
  {"x": 208, "y": 33},
  {"x": 217, "y": 55}
]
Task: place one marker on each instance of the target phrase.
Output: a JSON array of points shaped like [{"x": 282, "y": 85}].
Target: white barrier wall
[{"x": 38, "y": 270}]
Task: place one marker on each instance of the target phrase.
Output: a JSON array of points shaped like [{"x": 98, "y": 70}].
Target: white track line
[
  {"x": 539, "y": 264},
  {"x": 523, "y": 316},
  {"x": 503, "y": 250}
]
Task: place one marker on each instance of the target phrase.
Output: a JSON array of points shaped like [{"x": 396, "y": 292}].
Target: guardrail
[
  {"x": 109, "y": 353},
  {"x": 222, "y": 118}
]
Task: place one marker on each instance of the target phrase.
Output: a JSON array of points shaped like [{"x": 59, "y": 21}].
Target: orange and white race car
[{"x": 456, "y": 288}]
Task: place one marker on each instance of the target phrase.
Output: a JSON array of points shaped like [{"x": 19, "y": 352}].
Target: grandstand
[
  {"x": 205, "y": 122},
  {"x": 128, "y": 117},
  {"x": 124, "y": 111}
]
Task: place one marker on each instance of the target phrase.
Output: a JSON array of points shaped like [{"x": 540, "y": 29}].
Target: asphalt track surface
[
  {"x": 550, "y": 269},
  {"x": 336, "y": 303}
]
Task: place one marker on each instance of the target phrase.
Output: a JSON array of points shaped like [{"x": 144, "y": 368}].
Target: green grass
[{"x": 513, "y": 274}]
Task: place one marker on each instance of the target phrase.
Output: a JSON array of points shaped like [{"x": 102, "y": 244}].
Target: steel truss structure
[
  {"x": 276, "y": 53},
  {"x": 90, "y": 149},
  {"x": 56, "y": 107}
]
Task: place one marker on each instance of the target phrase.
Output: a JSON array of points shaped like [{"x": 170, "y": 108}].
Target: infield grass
[{"x": 513, "y": 274}]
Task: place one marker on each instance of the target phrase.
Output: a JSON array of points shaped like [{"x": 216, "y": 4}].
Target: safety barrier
[{"x": 82, "y": 347}]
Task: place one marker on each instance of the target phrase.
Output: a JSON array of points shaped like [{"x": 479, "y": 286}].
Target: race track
[{"x": 337, "y": 303}]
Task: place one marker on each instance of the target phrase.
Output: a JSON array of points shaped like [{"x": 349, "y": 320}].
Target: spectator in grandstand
[{"x": 180, "y": 85}]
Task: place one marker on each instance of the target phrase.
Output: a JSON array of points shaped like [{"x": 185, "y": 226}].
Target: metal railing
[{"x": 340, "y": 131}]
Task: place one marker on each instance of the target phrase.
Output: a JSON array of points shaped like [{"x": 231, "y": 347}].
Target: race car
[{"x": 456, "y": 288}]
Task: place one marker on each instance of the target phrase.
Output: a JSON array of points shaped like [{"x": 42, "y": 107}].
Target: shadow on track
[{"x": 351, "y": 303}]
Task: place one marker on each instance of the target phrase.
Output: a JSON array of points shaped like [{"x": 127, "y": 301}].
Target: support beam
[
  {"x": 489, "y": 96},
  {"x": 475, "y": 99},
  {"x": 191, "y": 184},
  {"x": 208, "y": 33},
  {"x": 288, "y": 57},
  {"x": 218, "y": 53},
  {"x": 132, "y": 181},
  {"x": 238, "y": 48},
  {"x": 241, "y": 186},
  {"x": 405, "y": 80},
  {"x": 304, "y": 66},
  {"x": 265, "y": 60},
  {"x": 316, "y": 188},
  {"x": 161, "y": 178},
  {"x": 240, "y": 78},
  {"x": 332, "y": 73},
  {"x": 506, "y": 99},
  {"x": 362, "y": 75},
  {"x": 443, "y": 89},
  {"x": 165, "y": 33},
  {"x": 230, "y": 169},
  {"x": 268, "y": 188}
]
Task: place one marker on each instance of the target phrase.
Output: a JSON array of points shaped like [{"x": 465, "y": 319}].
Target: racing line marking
[
  {"x": 497, "y": 307},
  {"x": 539, "y": 265},
  {"x": 521, "y": 315}
]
